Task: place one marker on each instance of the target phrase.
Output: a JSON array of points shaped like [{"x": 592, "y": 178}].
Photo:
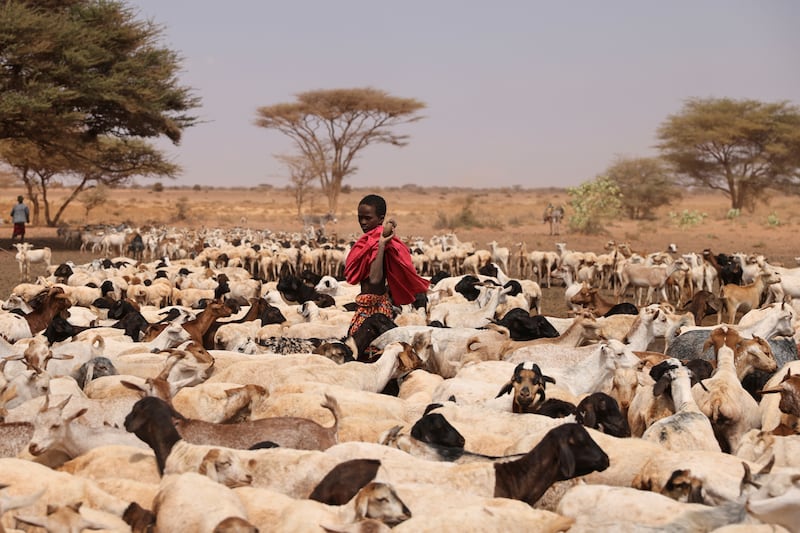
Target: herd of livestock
[{"x": 205, "y": 381}]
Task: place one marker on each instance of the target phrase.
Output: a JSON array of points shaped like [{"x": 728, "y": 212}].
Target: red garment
[{"x": 404, "y": 282}]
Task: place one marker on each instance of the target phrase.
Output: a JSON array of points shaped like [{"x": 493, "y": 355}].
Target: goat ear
[
  {"x": 589, "y": 417},
  {"x": 696, "y": 494},
  {"x": 78, "y": 414},
  {"x": 32, "y": 520},
  {"x": 548, "y": 379},
  {"x": 208, "y": 462},
  {"x": 132, "y": 386},
  {"x": 708, "y": 344},
  {"x": 507, "y": 388},
  {"x": 362, "y": 505},
  {"x": 540, "y": 394},
  {"x": 661, "y": 385},
  {"x": 566, "y": 461}
]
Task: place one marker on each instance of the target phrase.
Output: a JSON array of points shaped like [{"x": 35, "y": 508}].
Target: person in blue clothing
[{"x": 20, "y": 215}]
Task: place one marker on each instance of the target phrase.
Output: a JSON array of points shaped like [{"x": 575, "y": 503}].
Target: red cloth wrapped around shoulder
[{"x": 404, "y": 282}]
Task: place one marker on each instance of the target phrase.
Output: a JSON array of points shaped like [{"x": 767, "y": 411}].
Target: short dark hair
[
  {"x": 375, "y": 201},
  {"x": 19, "y": 198}
]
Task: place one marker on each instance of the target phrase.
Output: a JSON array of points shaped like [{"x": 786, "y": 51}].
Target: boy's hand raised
[{"x": 388, "y": 228}]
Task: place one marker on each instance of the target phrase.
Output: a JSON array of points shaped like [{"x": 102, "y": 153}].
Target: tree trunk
[
  {"x": 737, "y": 198},
  {"x": 60, "y": 211},
  {"x": 332, "y": 191},
  {"x": 34, "y": 198}
]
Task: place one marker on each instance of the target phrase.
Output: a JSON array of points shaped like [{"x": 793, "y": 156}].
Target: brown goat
[
  {"x": 286, "y": 431},
  {"x": 344, "y": 481},
  {"x": 53, "y": 303},
  {"x": 789, "y": 389},
  {"x": 528, "y": 383},
  {"x": 197, "y": 328},
  {"x": 703, "y": 304},
  {"x": 744, "y": 298},
  {"x": 565, "y": 452}
]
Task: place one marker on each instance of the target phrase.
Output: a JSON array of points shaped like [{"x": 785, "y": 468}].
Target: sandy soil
[{"x": 509, "y": 216}]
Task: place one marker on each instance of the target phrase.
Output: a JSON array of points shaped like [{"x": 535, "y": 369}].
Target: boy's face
[{"x": 367, "y": 218}]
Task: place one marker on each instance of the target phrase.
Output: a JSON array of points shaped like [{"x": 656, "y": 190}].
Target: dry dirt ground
[{"x": 508, "y": 216}]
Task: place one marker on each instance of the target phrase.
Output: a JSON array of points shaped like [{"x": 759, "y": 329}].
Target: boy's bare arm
[{"x": 376, "y": 268}]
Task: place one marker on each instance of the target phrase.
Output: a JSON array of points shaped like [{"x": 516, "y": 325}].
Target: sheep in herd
[
  {"x": 218, "y": 402},
  {"x": 580, "y": 370},
  {"x": 731, "y": 410},
  {"x": 374, "y": 505},
  {"x": 447, "y": 463},
  {"x": 628, "y": 509},
  {"x": 759, "y": 446},
  {"x": 600, "y": 411},
  {"x": 688, "y": 428},
  {"x": 646, "y": 407},
  {"x": 14, "y": 327},
  {"x": 565, "y": 452},
  {"x": 651, "y": 278},
  {"x": 291, "y": 432},
  {"x": 396, "y": 359},
  {"x": 63, "y": 518},
  {"x": 528, "y": 384},
  {"x": 27, "y": 255},
  {"x": 745, "y": 298},
  {"x": 191, "y": 502},
  {"x": 55, "y": 432},
  {"x": 24, "y": 477},
  {"x": 781, "y": 415}
]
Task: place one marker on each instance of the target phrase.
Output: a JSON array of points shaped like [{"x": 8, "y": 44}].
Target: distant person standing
[{"x": 20, "y": 215}]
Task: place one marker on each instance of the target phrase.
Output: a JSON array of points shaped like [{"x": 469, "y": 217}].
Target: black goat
[{"x": 601, "y": 411}]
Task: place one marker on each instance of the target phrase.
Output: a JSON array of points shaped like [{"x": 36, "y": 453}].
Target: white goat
[
  {"x": 728, "y": 406},
  {"x": 688, "y": 428},
  {"x": 26, "y": 255}
]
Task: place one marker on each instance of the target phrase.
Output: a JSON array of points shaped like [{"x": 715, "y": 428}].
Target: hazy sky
[{"x": 523, "y": 92}]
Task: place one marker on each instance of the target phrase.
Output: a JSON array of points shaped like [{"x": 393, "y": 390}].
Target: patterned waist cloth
[{"x": 368, "y": 305}]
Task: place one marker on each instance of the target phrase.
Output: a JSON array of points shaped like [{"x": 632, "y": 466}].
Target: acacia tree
[
  {"x": 330, "y": 127},
  {"x": 645, "y": 183},
  {"x": 301, "y": 174},
  {"x": 82, "y": 80},
  {"x": 106, "y": 160},
  {"x": 739, "y": 147}
]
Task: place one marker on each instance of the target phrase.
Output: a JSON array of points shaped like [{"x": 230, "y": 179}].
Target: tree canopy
[
  {"x": 83, "y": 85},
  {"x": 740, "y": 147},
  {"x": 330, "y": 127},
  {"x": 645, "y": 183}
]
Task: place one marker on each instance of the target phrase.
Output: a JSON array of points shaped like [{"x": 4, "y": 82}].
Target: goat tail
[
  {"x": 331, "y": 404},
  {"x": 721, "y": 410},
  {"x": 98, "y": 345},
  {"x": 715, "y": 406},
  {"x": 504, "y": 331},
  {"x": 473, "y": 341}
]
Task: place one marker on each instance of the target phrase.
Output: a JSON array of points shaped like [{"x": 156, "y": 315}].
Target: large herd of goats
[{"x": 205, "y": 381}]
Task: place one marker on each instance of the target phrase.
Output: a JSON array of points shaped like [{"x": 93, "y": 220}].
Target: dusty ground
[{"x": 509, "y": 216}]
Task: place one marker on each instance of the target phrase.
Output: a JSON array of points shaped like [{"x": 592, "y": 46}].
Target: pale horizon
[{"x": 518, "y": 93}]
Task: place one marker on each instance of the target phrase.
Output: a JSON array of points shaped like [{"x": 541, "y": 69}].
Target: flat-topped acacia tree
[
  {"x": 84, "y": 85},
  {"x": 742, "y": 148},
  {"x": 330, "y": 127}
]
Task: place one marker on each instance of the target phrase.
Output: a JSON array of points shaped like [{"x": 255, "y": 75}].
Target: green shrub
[
  {"x": 773, "y": 220},
  {"x": 733, "y": 213},
  {"x": 594, "y": 203},
  {"x": 687, "y": 219}
]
